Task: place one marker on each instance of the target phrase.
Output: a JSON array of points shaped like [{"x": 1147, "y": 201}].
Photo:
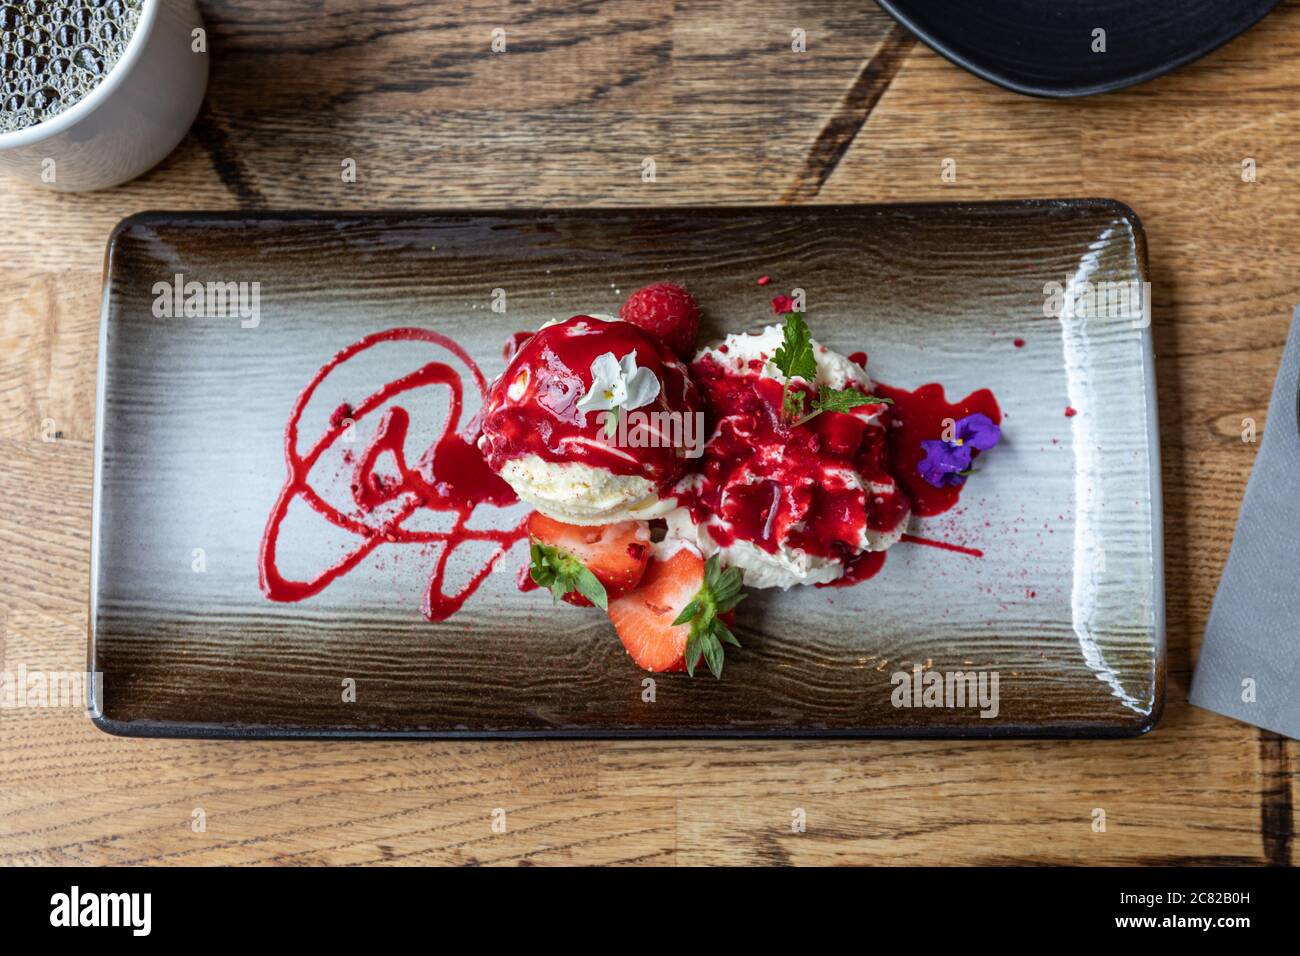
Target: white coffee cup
[{"x": 133, "y": 118}]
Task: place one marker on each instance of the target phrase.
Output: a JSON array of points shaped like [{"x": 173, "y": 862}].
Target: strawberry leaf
[
  {"x": 725, "y": 635},
  {"x": 688, "y": 612},
  {"x": 561, "y": 572},
  {"x": 589, "y": 586},
  {"x": 692, "y": 652},
  {"x": 713, "y": 654},
  {"x": 719, "y": 593}
]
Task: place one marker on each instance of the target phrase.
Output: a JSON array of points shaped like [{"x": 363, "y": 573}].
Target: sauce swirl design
[
  {"x": 449, "y": 476},
  {"x": 452, "y": 475}
]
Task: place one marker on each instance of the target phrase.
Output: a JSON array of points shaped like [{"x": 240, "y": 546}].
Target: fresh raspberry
[{"x": 668, "y": 313}]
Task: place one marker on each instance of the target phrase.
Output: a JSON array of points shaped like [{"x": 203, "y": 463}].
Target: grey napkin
[{"x": 1252, "y": 641}]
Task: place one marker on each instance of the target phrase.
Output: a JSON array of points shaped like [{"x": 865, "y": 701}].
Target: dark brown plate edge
[
  {"x": 150, "y": 729},
  {"x": 1062, "y": 204},
  {"x": 1121, "y": 727}
]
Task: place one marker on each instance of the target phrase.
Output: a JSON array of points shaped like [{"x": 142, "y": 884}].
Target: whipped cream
[
  {"x": 833, "y": 369},
  {"x": 782, "y": 564}
]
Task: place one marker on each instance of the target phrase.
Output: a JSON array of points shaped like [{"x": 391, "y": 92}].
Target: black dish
[{"x": 1045, "y": 47}]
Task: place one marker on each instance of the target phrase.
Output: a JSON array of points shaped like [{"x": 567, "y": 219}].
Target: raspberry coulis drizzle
[
  {"x": 450, "y": 476},
  {"x": 453, "y": 476},
  {"x": 915, "y": 416}
]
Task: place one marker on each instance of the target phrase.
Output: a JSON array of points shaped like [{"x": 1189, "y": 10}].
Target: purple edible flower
[{"x": 947, "y": 463}]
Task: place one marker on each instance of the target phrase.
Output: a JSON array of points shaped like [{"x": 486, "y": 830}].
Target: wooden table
[{"x": 711, "y": 91}]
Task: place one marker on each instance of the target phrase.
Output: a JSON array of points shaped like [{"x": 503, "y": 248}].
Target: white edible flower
[{"x": 618, "y": 385}]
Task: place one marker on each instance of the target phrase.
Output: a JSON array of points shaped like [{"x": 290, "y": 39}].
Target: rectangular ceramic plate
[{"x": 1065, "y": 607}]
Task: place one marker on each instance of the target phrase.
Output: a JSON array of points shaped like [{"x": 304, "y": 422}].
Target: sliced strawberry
[
  {"x": 644, "y": 618},
  {"x": 681, "y": 608},
  {"x": 667, "y": 312},
  {"x": 615, "y": 553}
]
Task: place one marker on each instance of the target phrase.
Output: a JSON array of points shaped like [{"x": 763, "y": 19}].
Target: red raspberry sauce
[
  {"x": 774, "y": 475},
  {"x": 772, "y": 482},
  {"x": 553, "y": 370},
  {"x": 923, "y": 414},
  {"x": 449, "y": 476}
]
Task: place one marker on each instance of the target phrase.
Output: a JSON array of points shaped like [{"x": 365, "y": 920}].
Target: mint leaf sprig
[
  {"x": 795, "y": 355},
  {"x": 557, "y": 569},
  {"x": 840, "y": 400},
  {"x": 795, "y": 359},
  {"x": 719, "y": 594}
]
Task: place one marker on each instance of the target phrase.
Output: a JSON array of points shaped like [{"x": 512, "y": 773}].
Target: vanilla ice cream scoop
[{"x": 581, "y": 422}]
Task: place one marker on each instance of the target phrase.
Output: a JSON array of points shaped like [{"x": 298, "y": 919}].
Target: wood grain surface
[{"x": 585, "y": 93}]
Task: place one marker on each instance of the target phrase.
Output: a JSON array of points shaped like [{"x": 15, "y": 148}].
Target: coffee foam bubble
[{"x": 54, "y": 52}]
